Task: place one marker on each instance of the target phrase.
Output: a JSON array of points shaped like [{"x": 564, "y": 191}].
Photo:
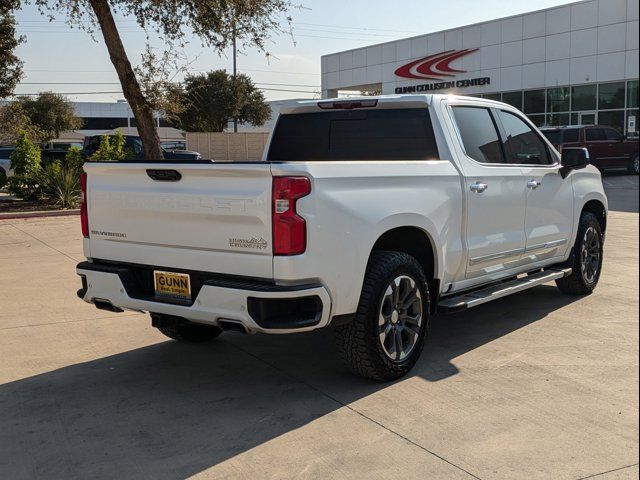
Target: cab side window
[
  {"x": 522, "y": 145},
  {"x": 595, "y": 134},
  {"x": 612, "y": 134},
  {"x": 478, "y": 133}
]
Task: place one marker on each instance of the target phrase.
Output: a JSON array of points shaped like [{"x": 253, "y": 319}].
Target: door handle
[
  {"x": 478, "y": 187},
  {"x": 534, "y": 184}
]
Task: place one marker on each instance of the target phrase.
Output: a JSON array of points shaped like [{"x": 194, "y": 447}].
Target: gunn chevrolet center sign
[{"x": 437, "y": 67}]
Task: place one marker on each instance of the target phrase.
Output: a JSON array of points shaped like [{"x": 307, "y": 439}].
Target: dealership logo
[{"x": 434, "y": 67}]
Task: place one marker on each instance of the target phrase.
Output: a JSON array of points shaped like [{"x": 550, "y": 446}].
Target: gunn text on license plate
[{"x": 172, "y": 285}]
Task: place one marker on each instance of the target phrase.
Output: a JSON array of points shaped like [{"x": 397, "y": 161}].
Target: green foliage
[
  {"x": 51, "y": 113},
  {"x": 60, "y": 184},
  {"x": 74, "y": 159},
  {"x": 112, "y": 148},
  {"x": 215, "y": 22},
  {"x": 42, "y": 117},
  {"x": 25, "y": 162},
  {"x": 13, "y": 121},
  {"x": 10, "y": 65},
  {"x": 213, "y": 99},
  {"x": 156, "y": 74}
]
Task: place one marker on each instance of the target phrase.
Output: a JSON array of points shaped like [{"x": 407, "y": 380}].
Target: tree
[
  {"x": 43, "y": 117},
  {"x": 25, "y": 162},
  {"x": 14, "y": 121},
  {"x": 51, "y": 113},
  {"x": 157, "y": 73},
  {"x": 212, "y": 99},
  {"x": 10, "y": 65},
  {"x": 215, "y": 22}
]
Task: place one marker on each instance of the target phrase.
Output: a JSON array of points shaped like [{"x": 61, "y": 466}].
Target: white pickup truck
[{"x": 365, "y": 215}]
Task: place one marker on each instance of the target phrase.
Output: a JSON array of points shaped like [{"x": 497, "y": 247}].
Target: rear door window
[
  {"x": 478, "y": 133},
  {"x": 383, "y": 134},
  {"x": 523, "y": 146},
  {"x": 612, "y": 134},
  {"x": 595, "y": 134}
]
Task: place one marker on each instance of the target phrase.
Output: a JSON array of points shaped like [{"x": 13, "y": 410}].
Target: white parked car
[{"x": 366, "y": 215}]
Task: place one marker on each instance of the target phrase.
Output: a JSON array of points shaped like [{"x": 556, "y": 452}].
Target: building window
[
  {"x": 103, "y": 123},
  {"x": 537, "y": 120},
  {"x": 583, "y": 97},
  {"x": 534, "y": 101},
  {"x": 558, "y": 100},
  {"x": 493, "y": 96},
  {"x": 558, "y": 120},
  {"x": 612, "y": 118},
  {"x": 513, "y": 98},
  {"x": 632, "y": 94},
  {"x": 610, "y": 95}
]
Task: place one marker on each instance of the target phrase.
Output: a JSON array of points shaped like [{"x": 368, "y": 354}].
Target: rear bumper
[{"x": 259, "y": 306}]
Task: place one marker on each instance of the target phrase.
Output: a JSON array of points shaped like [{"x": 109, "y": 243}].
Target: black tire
[
  {"x": 634, "y": 167},
  {"x": 582, "y": 281},
  {"x": 190, "y": 332},
  {"x": 359, "y": 342}
]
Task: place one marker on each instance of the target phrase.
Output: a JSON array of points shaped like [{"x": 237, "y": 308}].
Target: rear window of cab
[{"x": 360, "y": 135}]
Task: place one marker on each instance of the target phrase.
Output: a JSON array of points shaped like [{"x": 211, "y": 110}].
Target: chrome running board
[{"x": 487, "y": 294}]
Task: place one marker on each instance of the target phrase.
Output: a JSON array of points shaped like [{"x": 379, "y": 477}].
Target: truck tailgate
[{"x": 215, "y": 218}]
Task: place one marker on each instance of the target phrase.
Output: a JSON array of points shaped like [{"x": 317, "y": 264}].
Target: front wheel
[
  {"x": 586, "y": 260},
  {"x": 385, "y": 339}
]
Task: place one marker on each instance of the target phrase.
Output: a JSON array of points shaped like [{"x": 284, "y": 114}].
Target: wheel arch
[
  {"x": 419, "y": 244},
  {"x": 599, "y": 210}
]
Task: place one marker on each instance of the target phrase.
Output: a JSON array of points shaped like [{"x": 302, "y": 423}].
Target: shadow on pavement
[
  {"x": 172, "y": 410},
  {"x": 622, "y": 191}
]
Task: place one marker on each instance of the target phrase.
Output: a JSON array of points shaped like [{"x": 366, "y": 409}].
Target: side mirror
[{"x": 573, "y": 158}]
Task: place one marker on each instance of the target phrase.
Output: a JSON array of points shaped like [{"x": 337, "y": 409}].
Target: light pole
[{"x": 235, "y": 74}]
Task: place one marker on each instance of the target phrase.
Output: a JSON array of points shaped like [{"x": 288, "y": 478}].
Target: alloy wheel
[
  {"x": 590, "y": 255},
  {"x": 400, "y": 318}
]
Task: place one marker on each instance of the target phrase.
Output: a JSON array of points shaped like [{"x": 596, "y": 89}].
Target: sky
[{"x": 65, "y": 60}]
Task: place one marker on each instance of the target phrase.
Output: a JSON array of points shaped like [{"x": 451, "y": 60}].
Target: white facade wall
[{"x": 584, "y": 42}]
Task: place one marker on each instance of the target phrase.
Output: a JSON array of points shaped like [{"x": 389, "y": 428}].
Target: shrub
[
  {"x": 61, "y": 184},
  {"x": 112, "y": 148},
  {"x": 25, "y": 162},
  {"x": 74, "y": 159}
]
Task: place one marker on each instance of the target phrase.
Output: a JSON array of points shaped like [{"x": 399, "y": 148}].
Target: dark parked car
[
  {"x": 134, "y": 144},
  {"x": 608, "y": 147}
]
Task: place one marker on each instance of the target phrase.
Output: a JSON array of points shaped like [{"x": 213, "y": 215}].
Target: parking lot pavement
[{"x": 539, "y": 385}]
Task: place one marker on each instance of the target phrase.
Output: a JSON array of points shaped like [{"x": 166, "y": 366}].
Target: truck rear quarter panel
[{"x": 352, "y": 204}]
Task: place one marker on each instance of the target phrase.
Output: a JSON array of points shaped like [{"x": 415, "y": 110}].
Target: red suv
[{"x": 608, "y": 148}]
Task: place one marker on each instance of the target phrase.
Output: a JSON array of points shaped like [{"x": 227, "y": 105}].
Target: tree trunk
[{"x": 142, "y": 111}]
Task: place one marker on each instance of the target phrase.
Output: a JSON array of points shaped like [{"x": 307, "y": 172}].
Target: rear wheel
[
  {"x": 586, "y": 260},
  {"x": 385, "y": 339},
  {"x": 183, "y": 331},
  {"x": 634, "y": 168}
]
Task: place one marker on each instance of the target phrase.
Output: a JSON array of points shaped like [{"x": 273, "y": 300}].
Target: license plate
[{"x": 172, "y": 285}]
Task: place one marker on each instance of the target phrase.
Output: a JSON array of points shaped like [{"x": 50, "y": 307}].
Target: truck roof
[{"x": 384, "y": 101}]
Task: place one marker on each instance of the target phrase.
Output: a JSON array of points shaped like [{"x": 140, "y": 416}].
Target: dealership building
[{"x": 573, "y": 64}]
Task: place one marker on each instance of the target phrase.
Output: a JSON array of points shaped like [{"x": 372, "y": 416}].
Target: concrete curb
[{"x": 39, "y": 214}]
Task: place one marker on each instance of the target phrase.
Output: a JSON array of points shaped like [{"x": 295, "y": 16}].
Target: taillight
[
  {"x": 84, "y": 218},
  {"x": 289, "y": 228}
]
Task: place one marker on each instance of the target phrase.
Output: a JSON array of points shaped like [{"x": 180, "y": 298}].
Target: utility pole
[{"x": 235, "y": 74}]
